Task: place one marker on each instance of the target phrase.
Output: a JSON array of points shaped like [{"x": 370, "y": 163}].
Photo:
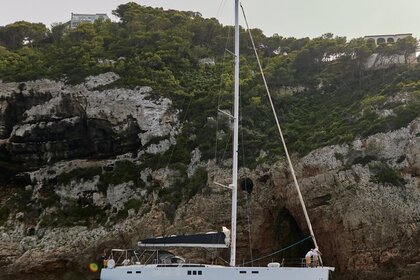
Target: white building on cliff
[
  {"x": 390, "y": 38},
  {"x": 77, "y": 19},
  {"x": 381, "y": 61}
]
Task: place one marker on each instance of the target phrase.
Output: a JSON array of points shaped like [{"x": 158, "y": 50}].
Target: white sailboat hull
[{"x": 148, "y": 272}]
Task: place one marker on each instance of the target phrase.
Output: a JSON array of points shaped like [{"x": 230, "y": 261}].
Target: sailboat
[{"x": 158, "y": 264}]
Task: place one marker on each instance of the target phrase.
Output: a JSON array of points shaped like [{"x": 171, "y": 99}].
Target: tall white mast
[{"x": 234, "y": 184}]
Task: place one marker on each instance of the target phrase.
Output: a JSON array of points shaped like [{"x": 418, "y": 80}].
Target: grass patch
[
  {"x": 384, "y": 174},
  {"x": 130, "y": 204},
  {"x": 4, "y": 215},
  {"x": 75, "y": 214},
  {"x": 184, "y": 189},
  {"x": 364, "y": 159},
  {"x": 124, "y": 171},
  {"x": 78, "y": 174}
]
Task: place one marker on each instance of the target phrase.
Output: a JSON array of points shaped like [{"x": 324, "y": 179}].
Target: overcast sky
[{"x": 297, "y": 18}]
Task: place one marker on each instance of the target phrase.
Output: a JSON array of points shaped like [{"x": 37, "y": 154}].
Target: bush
[
  {"x": 4, "y": 215},
  {"x": 75, "y": 214},
  {"x": 384, "y": 174},
  {"x": 78, "y": 174},
  {"x": 124, "y": 171},
  {"x": 130, "y": 204}
]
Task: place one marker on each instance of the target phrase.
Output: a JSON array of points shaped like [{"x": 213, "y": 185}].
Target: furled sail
[{"x": 205, "y": 240}]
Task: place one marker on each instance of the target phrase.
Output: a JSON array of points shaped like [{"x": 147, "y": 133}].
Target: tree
[
  {"x": 57, "y": 31},
  {"x": 407, "y": 47},
  {"x": 357, "y": 52},
  {"x": 310, "y": 61},
  {"x": 21, "y": 33}
]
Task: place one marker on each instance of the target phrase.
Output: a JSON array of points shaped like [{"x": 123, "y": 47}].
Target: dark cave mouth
[
  {"x": 288, "y": 232},
  {"x": 247, "y": 185}
]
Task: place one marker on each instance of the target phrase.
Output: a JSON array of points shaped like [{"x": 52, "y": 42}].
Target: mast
[{"x": 234, "y": 184}]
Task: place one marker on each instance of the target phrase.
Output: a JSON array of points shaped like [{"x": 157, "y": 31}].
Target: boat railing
[
  {"x": 289, "y": 262},
  {"x": 124, "y": 257},
  {"x": 162, "y": 258},
  {"x": 300, "y": 262}
]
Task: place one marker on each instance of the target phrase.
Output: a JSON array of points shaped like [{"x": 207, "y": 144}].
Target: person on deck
[
  {"x": 316, "y": 257},
  {"x": 309, "y": 257},
  {"x": 104, "y": 260}
]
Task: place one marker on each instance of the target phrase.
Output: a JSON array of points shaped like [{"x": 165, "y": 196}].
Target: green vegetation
[
  {"x": 384, "y": 174},
  {"x": 130, "y": 204},
  {"x": 4, "y": 215},
  {"x": 75, "y": 212},
  {"x": 78, "y": 174},
  {"x": 183, "y": 189},
  {"x": 124, "y": 171},
  {"x": 339, "y": 101},
  {"x": 48, "y": 197},
  {"x": 322, "y": 91}
]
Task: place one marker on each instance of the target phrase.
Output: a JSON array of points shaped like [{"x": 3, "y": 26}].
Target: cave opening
[
  {"x": 246, "y": 185},
  {"x": 288, "y": 232}
]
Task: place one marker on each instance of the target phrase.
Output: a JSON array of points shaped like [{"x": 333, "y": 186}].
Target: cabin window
[
  {"x": 138, "y": 272},
  {"x": 129, "y": 272},
  {"x": 194, "y": 272},
  {"x": 255, "y": 272},
  {"x": 242, "y": 272}
]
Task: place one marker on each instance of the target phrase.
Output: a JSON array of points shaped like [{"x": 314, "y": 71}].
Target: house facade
[
  {"x": 381, "y": 61},
  {"x": 390, "y": 38},
  {"x": 77, "y": 19}
]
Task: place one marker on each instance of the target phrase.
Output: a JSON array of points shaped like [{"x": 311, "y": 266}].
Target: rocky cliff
[{"x": 76, "y": 178}]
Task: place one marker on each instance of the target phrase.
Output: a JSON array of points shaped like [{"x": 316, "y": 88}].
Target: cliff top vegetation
[{"x": 323, "y": 92}]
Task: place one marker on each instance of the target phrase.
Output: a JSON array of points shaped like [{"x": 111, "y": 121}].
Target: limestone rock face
[
  {"x": 46, "y": 121},
  {"x": 74, "y": 181},
  {"x": 364, "y": 203}
]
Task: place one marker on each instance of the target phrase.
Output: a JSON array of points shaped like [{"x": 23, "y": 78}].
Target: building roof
[
  {"x": 389, "y": 35},
  {"x": 73, "y": 14}
]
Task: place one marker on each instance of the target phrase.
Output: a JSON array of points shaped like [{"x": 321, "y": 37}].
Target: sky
[{"x": 288, "y": 18}]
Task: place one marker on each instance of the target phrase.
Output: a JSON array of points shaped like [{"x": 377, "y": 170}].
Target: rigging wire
[
  {"x": 219, "y": 96},
  {"x": 221, "y": 6},
  {"x": 183, "y": 121},
  {"x": 248, "y": 208},
  {"x": 217, "y": 257},
  {"x": 228, "y": 38},
  {"x": 279, "y": 251},
  {"x": 281, "y": 136}
]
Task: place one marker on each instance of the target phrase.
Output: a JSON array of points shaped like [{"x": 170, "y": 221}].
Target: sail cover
[{"x": 206, "y": 240}]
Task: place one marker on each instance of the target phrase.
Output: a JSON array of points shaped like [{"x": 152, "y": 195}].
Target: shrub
[
  {"x": 124, "y": 171},
  {"x": 4, "y": 215},
  {"x": 130, "y": 204},
  {"x": 384, "y": 174},
  {"x": 78, "y": 174}
]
